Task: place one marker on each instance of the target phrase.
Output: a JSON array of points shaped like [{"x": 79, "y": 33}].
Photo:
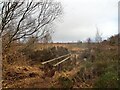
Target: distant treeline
[{"x": 113, "y": 40}]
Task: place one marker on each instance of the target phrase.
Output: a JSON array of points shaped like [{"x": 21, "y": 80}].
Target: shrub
[
  {"x": 108, "y": 80},
  {"x": 99, "y": 67},
  {"x": 88, "y": 64},
  {"x": 45, "y": 54},
  {"x": 65, "y": 82},
  {"x": 112, "y": 68}
]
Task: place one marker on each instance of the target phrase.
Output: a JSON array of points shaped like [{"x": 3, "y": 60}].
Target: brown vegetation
[{"x": 88, "y": 65}]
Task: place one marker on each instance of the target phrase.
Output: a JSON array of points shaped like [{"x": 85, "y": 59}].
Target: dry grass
[{"x": 22, "y": 72}]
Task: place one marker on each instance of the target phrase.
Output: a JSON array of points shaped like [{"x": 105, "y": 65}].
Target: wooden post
[
  {"x": 59, "y": 67},
  {"x": 0, "y": 63}
]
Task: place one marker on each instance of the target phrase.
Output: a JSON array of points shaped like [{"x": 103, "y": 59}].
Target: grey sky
[{"x": 81, "y": 16}]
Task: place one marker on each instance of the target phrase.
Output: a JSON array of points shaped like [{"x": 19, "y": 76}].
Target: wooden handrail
[
  {"x": 61, "y": 61},
  {"x": 54, "y": 59}
]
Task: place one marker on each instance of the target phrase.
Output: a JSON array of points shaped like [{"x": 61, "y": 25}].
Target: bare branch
[{"x": 23, "y": 19}]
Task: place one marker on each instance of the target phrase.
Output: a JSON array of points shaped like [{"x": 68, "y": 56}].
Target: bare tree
[
  {"x": 31, "y": 41},
  {"x": 47, "y": 38},
  {"x": 98, "y": 37},
  {"x": 20, "y": 19},
  {"x": 89, "y": 40}
]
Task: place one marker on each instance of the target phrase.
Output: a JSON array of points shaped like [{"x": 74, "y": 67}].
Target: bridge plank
[
  {"x": 61, "y": 61},
  {"x": 54, "y": 59}
]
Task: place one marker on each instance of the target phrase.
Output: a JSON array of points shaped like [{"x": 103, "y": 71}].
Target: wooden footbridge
[{"x": 57, "y": 61}]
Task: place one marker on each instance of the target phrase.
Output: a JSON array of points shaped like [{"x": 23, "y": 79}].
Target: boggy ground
[{"x": 87, "y": 68}]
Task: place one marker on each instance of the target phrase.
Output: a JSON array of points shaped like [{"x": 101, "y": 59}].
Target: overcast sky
[{"x": 81, "y": 17}]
